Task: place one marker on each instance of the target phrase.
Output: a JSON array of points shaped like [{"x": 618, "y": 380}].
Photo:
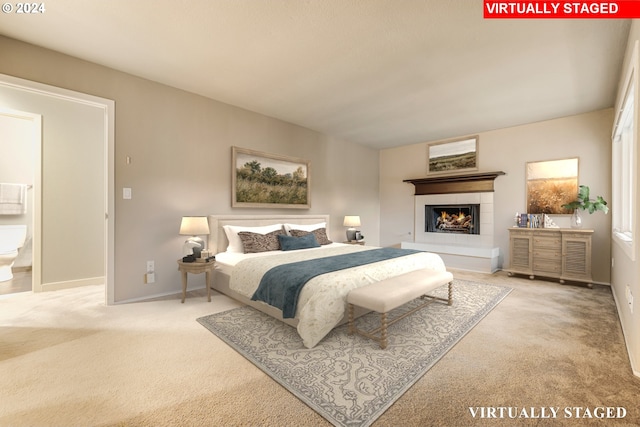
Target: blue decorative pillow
[{"x": 289, "y": 243}]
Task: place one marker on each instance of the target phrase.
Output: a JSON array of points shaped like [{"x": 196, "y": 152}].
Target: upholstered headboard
[{"x": 217, "y": 241}]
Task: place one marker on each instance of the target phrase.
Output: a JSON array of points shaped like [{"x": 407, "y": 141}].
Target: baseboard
[
  {"x": 67, "y": 284},
  {"x": 634, "y": 368},
  {"x": 602, "y": 283},
  {"x": 158, "y": 295}
]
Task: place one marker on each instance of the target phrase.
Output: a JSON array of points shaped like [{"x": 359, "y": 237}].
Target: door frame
[{"x": 108, "y": 108}]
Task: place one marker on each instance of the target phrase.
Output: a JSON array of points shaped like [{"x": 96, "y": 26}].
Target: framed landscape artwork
[
  {"x": 263, "y": 180},
  {"x": 551, "y": 184},
  {"x": 453, "y": 156}
]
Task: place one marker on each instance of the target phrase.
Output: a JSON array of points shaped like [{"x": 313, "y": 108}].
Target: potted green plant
[{"x": 584, "y": 202}]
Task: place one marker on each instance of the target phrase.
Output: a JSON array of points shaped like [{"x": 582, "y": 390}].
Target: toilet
[{"x": 12, "y": 238}]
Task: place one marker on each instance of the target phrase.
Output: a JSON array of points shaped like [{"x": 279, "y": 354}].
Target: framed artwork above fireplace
[{"x": 454, "y": 156}]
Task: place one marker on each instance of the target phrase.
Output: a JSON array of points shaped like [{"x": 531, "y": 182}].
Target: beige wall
[
  {"x": 626, "y": 272},
  {"x": 180, "y": 147},
  {"x": 585, "y": 136}
]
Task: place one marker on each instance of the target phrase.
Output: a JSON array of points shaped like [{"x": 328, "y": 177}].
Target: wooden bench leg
[
  {"x": 351, "y": 320},
  {"x": 381, "y": 334},
  {"x": 383, "y": 331}
]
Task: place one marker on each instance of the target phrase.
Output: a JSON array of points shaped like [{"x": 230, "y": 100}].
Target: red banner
[{"x": 621, "y": 9}]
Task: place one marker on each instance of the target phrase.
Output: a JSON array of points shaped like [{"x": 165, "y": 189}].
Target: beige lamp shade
[
  {"x": 352, "y": 221},
  {"x": 194, "y": 226}
]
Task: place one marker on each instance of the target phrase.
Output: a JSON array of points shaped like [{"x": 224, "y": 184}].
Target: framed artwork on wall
[
  {"x": 551, "y": 184},
  {"x": 263, "y": 180},
  {"x": 453, "y": 156}
]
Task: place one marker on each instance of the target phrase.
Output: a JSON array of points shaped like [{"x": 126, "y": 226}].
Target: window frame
[{"x": 624, "y": 146}]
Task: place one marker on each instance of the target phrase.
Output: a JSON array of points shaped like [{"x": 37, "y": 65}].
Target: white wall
[{"x": 585, "y": 136}]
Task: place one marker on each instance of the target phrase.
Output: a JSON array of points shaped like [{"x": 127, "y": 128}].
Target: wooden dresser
[{"x": 561, "y": 253}]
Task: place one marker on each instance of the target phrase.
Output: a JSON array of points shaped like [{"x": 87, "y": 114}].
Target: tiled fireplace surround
[{"x": 462, "y": 251}]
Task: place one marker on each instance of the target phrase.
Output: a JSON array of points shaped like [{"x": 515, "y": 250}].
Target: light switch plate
[{"x": 126, "y": 193}]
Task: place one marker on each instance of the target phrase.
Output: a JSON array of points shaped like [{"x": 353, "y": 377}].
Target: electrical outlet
[
  {"x": 613, "y": 262},
  {"x": 629, "y": 296},
  {"x": 149, "y": 278},
  {"x": 151, "y": 266}
]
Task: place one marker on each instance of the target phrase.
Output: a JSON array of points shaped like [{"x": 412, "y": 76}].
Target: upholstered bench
[{"x": 385, "y": 295}]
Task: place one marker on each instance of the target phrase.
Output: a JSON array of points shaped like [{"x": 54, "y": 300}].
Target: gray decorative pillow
[
  {"x": 255, "y": 242},
  {"x": 320, "y": 233}
]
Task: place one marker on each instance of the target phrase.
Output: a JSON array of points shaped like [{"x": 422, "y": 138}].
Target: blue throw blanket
[{"x": 281, "y": 285}]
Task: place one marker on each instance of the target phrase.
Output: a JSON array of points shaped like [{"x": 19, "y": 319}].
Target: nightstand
[
  {"x": 355, "y": 242},
  {"x": 196, "y": 268}
]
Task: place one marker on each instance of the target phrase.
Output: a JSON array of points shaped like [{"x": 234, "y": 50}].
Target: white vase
[{"x": 576, "y": 219}]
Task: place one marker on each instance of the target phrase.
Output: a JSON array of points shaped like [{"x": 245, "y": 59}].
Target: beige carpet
[{"x": 67, "y": 360}]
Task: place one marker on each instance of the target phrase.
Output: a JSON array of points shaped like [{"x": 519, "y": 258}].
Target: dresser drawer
[
  {"x": 552, "y": 254},
  {"x": 546, "y": 242},
  {"x": 547, "y": 266}
]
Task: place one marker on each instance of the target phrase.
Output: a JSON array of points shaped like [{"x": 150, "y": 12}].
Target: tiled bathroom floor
[{"x": 21, "y": 282}]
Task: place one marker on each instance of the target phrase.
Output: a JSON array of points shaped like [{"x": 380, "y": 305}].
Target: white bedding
[
  {"x": 225, "y": 261},
  {"x": 322, "y": 302}
]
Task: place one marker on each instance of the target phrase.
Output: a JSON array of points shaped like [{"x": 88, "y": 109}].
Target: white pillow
[
  {"x": 235, "y": 244},
  {"x": 304, "y": 227}
]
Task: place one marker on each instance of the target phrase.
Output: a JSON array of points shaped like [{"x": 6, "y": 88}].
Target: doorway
[
  {"x": 20, "y": 166},
  {"x": 74, "y": 198}
]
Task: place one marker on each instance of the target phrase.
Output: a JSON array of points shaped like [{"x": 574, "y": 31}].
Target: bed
[{"x": 321, "y": 304}]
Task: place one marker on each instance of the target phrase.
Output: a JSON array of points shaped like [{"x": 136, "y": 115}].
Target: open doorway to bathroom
[
  {"x": 75, "y": 245},
  {"x": 20, "y": 166}
]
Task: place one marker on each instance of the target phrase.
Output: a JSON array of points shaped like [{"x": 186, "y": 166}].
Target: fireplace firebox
[{"x": 458, "y": 218}]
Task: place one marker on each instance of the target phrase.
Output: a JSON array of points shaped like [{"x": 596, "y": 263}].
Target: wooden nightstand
[
  {"x": 354, "y": 242},
  {"x": 196, "y": 268}
]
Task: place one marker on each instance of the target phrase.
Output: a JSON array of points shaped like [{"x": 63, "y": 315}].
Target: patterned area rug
[{"x": 347, "y": 379}]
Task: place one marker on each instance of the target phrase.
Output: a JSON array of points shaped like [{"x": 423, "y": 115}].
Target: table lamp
[
  {"x": 194, "y": 226},
  {"x": 351, "y": 221}
]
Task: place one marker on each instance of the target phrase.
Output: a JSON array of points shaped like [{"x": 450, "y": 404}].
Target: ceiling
[{"x": 381, "y": 73}]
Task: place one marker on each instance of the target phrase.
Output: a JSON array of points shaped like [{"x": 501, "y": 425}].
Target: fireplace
[
  {"x": 467, "y": 249},
  {"x": 464, "y": 195},
  {"x": 453, "y": 218}
]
